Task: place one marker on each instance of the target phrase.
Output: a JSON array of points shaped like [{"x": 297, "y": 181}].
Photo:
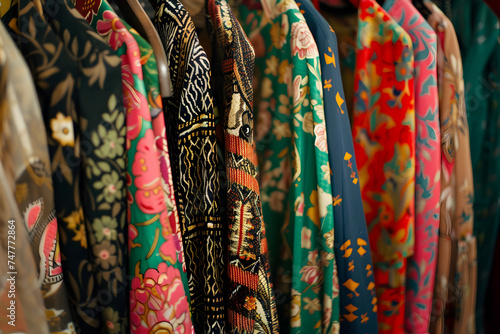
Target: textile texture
[
  {"x": 384, "y": 143},
  {"x": 457, "y": 192},
  {"x": 478, "y": 34},
  {"x": 103, "y": 160},
  {"x": 294, "y": 172},
  {"x": 55, "y": 74},
  {"x": 251, "y": 304},
  {"x": 29, "y": 244},
  {"x": 191, "y": 133},
  {"x": 352, "y": 251},
  {"x": 422, "y": 264},
  {"x": 153, "y": 245}
]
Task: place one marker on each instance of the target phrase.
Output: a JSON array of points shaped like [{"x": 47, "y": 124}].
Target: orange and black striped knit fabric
[{"x": 251, "y": 305}]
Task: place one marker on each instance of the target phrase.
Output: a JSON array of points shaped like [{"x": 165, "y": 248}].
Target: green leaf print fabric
[{"x": 103, "y": 161}]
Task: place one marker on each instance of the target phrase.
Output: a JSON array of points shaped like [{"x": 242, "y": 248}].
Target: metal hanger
[{"x": 135, "y": 15}]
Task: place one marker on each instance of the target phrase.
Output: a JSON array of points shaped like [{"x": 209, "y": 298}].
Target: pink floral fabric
[
  {"x": 303, "y": 44},
  {"x": 149, "y": 193},
  {"x": 158, "y": 300},
  {"x": 421, "y": 268},
  {"x": 152, "y": 85}
]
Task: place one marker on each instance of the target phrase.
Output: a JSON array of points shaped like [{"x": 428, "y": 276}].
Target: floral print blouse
[
  {"x": 295, "y": 173},
  {"x": 384, "y": 143},
  {"x": 358, "y": 301},
  {"x": 457, "y": 218},
  {"x": 152, "y": 85},
  {"x": 422, "y": 265},
  {"x": 103, "y": 158},
  {"x": 155, "y": 103},
  {"x": 153, "y": 245}
]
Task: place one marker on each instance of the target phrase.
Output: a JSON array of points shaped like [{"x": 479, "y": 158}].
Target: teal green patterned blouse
[{"x": 295, "y": 173}]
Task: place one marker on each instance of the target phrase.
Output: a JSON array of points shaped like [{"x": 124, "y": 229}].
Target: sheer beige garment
[
  {"x": 29, "y": 306},
  {"x": 456, "y": 273}
]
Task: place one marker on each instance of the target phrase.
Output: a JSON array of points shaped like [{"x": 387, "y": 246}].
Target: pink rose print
[
  {"x": 158, "y": 302},
  {"x": 132, "y": 234},
  {"x": 305, "y": 237},
  {"x": 327, "y": 311},
  {"x": 180, "y": 250},
  {"x": 134, "y": 103},
  {"x": 168, "y": 249},
  {"x": 320, "y": 141},
  {"x": 150, "y": 201},
  {"x": 134, "y": 124},
  {"x": 299, "y": 205},
  {"x": 298, "y": 93},
  {"x": 130, "y": 198},
  {"x": 303, "y": 42},
  {"x": 311, "y": 272},
  {"x": 335, "y": 293},
  {"x": 115, "y": 33},
  {"x": 134, "y": 117},
  {"x": 146, "y": 169},
  {"x": 168, "y": 227},
  {"x": 110, "y": 28},
  {"x": 171, "y": 250}
]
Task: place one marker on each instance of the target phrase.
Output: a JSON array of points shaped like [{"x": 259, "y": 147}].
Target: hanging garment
[
  {"x": 457, "y": 193},
  {"x": 103, "y": 158},
  {"x": 191, "y": 133},
  {"x": 358, "y": 301},
  {"x": 345, "y": 25},
  {"x": 384, "y": 143},
  {"x": 26, "y": 205},
  {"x": 421, "y": 269},
  {"x": 478, "y": 34},
  {"x": 55, "y": 72},
  {"x": 493, "y": 171},
  {"x": 153, "y": 248},
  {"x": 155, "y": 104},
  {"x": 292, "y": 145},
  {"x": 251, "y": 304}
]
